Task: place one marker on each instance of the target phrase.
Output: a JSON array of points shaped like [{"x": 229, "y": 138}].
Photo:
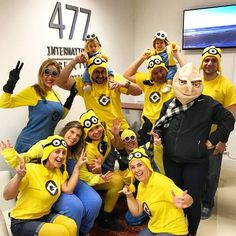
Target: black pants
[
  {"x": 191, "y": 177},
  {"x": 211, "y": 186}
]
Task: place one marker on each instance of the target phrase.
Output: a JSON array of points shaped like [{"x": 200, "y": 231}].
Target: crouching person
[{"x": 37, "y": 187}]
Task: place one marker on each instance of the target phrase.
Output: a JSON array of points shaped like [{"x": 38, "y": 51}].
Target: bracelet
[
  {"x": 129, "y": 195},
  {"x": 127, "y": 84}
]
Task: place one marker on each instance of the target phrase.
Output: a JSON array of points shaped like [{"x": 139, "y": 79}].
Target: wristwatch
[{"x": 127, "y": 84}]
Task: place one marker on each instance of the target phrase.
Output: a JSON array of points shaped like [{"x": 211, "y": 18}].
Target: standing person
[
  {"x": 84, "y": 204},
  {"x": 37, "y": 187},
  {"x": 222, "y": 90},
  {"x": 158, "y": 196},
  {"x": 92, "y": 47},
  {"x": 184, "y": 128},
  {"x": 45, "y": 107},
  {"x": 99, "y": 142},
  {"x": 151, "y": 84},
  {"x": 103, "y": 98}
]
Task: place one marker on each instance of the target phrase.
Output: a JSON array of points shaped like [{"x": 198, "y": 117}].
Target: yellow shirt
[
  {"x": 222, "y": 90},
  {"x": 153, "y": 97},
  {"x": 157, "y": 202},
  {"x": 38, "y": 191},
  {"x": 106, "y": 103},
  {"x": 92, "y": 153}
]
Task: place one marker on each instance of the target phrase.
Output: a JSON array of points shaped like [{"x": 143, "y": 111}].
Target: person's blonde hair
[{"x": 39, "y": 87}]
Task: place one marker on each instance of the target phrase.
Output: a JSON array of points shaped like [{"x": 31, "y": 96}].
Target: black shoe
[
  {"x": 206, "y": 213},
  {"x": 106, "y": 221},
  {"x": 83, "y": 234}
]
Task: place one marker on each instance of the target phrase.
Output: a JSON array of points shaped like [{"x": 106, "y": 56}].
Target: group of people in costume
[{"x": 168, "y": 172}]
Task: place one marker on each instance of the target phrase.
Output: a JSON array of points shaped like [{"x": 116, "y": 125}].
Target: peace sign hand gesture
[
  {"x": 82, "y": 159},
  {"x": 21, "y": 168},
  {"x": 14, "y": 76}
]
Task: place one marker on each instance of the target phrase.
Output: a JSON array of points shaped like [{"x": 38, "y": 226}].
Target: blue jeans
[
  {"x": 212, "y": 179},
  {"x": 147, "y": 232},
  {"x": 83, "y": 206},
  {"x": 131, "y": 220}
]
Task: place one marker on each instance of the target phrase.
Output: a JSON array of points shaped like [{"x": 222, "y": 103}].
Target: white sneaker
[
  {"x": 166, "y": 89},
  {"x": 87, "y": 87}
]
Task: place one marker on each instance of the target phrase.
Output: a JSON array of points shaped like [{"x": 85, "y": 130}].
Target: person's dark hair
[{"x": 75, "y": 150}]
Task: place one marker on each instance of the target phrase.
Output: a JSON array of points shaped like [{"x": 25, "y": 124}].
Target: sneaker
[
  {"x": 166, "y": 89},
  {"x": 106, "y": 221},
  {"x": 83, "y": 234},
  {"x": 87, "y": 87},
  {"x": 206, "y": 213}
]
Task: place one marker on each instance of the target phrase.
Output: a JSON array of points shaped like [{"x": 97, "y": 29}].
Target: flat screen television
[{"x": 203, "y": 27}]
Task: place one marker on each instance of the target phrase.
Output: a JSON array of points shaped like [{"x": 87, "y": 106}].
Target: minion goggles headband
[
  {"x": 160, "y": 35},
  {"x": 91, "y": 36},
  {"x": 136, "y": 155},
  {"x": 212, "y": 51},
  {"x": 154, "y": 62},
  {"x": 56, "y": 143},
  {"x": 97, "y": 61},
  {"x": 89, "y": 122}
]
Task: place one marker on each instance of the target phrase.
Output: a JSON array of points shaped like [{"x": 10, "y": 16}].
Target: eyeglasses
[
  {"x": 89, "y": 122},
  {"x": 54, "y": 73},
  {"x": 154, "y": 62},
  {"x": 136, "y": 155},
  {"x": 129, "y": 138},
  {"x": 212, "y": 51},
  {"x": 56, "y": 143},
  {"x": 195, "y": 83},
  {"x": 97, "y": 61}
]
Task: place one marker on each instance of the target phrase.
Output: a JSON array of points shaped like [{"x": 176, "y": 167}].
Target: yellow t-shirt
[
  {"x": 26, "y": 97},
  {"x": 157, "y": 202},
  {"x": 106, "y": 103},
  {"x": 222, "y": 90},
  {"x": 92, "y": 153},
  {"x": 38, "y": 191},
  {"x": 153, "y": 97}
]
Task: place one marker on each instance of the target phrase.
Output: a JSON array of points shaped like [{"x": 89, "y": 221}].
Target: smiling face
[
  {"x": 72, "y": 136},
  {"x": 159, "y": 45},
  {"x": 130, "y": 145},
  {"x": 140, "y": 171},
  {"x": 187, "y": 84},
  {"x": 49, "y": 76},
  {"x": 159, "y": 75},
  {"x": 93, "y": 46},
  {"x": 99, "y": 75},
  {"x": 96, "y": 133},
  {"x": 210, "y": 65},
  {"x": 56, "y": 159}
]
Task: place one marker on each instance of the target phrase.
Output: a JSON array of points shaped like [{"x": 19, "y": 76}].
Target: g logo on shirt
[
  {"x": 51, "y": 187},
  {"x": 102, "y": 147},
  {"x": 154, "y": 97},
  {"x": 56, "y": 116},
  {"x": 104, "y": 100},
  {"x": 146, "y": 209}
]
